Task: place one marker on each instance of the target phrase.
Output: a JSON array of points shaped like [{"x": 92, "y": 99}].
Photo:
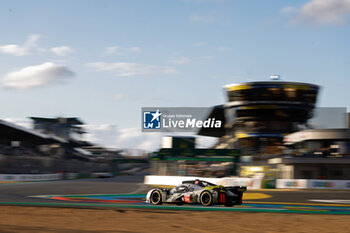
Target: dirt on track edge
[{"x": 50, "y": 219}]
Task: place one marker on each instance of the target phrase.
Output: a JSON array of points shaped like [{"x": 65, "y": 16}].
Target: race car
[{"x": 197, "y": 191}]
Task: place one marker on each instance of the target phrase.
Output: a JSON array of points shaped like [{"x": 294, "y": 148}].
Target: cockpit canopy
[{"x": 201, "y": 183}]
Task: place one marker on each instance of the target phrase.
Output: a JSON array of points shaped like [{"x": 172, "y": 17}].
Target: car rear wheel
[
  {"x": 229, "y": 203},
  {"x": 156, "y": 198},
  {"x": 206, "y": 198}
]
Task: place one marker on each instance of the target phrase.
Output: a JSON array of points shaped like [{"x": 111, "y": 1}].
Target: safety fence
[
  {"x": 30, "y": 177},
  {"x": 54, "y": 176}
]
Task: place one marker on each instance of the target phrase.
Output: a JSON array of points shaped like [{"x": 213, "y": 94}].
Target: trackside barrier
[
  {"x": 30, "y": 177},
  {"x": 291, "y": 183},
  {"x": 70, "y": 176},
  {"x": 312, "y": 184},
  {"x": 55, "y": 176},
  {"x": 176, "y": 180}
]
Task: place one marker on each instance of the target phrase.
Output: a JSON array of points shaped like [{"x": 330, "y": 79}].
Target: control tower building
[{"x": 259, "y": 114}]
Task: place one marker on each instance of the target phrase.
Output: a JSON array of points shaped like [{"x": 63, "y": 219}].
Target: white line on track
[
  {"x": 339, "y": 201},
  {"x": 140, "y": 188}
]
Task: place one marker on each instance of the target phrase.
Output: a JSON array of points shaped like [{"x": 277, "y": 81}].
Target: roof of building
[
  {"x": 13, "y": 132},
  {"x": 61, "y": 120},
  {"x": 248, "y": 85}
]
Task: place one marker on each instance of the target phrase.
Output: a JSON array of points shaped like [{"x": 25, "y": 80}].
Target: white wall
[{"x": 251, "y": 183}]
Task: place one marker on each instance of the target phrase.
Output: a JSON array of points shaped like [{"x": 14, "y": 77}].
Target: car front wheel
[
  {"x": 156, "y": 198},
  {"x": 206, "y": 198}
]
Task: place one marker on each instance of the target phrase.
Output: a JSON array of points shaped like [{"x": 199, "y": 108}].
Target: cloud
[
  {"x": 323, "y": 12},
  {"x": 112, "y": 49},
  {"x": 119, "y": 96},
  {"x": 61, "y": 50},
  {"x": 223, "y": 49},
  {"x": 123, "y": 69},
  {"x": 35, "y": 76},
  {"x": 110, "y": 135},
  {"x": 135, "y": 139},
  {"x": 195, "y": 17},
  {"x": 199, "y": 44},
  {"x": 30, "y": 46},
  {"x": 118, "y": 49},
  {"x": 170, "y": 70},
  {"x": 14, "y": 50},
  {"x": 21, "y": 50},
  {"x": 179, "y": 60},
  {"x": 104, "y": 134},
  {"x": 207, "y": 57},
  {"x": 135, "y": 49},
  {"x": 126, "y": 69},
  {"x": 289, "y": 10}
]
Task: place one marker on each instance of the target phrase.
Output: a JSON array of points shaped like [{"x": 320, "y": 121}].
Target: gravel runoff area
[{"x": 63, "y": 220}]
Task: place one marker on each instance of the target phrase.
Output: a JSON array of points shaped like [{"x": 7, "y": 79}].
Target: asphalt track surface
[{"x": 129, "y": 192}]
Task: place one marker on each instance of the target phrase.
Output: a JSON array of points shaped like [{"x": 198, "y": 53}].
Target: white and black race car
[{"x": 197, "y": 191}]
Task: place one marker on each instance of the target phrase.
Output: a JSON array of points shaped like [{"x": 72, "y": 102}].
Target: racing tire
[
  {"x": 156, "y": 197},
  {"x": 229, "y": 203},
  {"x": 206, "y": 198}
]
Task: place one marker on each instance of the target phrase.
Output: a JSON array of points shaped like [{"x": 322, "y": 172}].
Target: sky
[{"x": 102, "y": 61}]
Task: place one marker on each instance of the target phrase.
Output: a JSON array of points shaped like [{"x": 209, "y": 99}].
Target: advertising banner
[
  {"x": 291, "y": 183},
  {"x": 329, "y": 184}
]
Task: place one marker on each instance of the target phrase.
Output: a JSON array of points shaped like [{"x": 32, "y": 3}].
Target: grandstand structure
[
  {"x": 315, "y": 153},
  {"x": 67, "y": 128},
  {"x": 15, "y": 136},
  {"x": 55, "y": 144}
]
